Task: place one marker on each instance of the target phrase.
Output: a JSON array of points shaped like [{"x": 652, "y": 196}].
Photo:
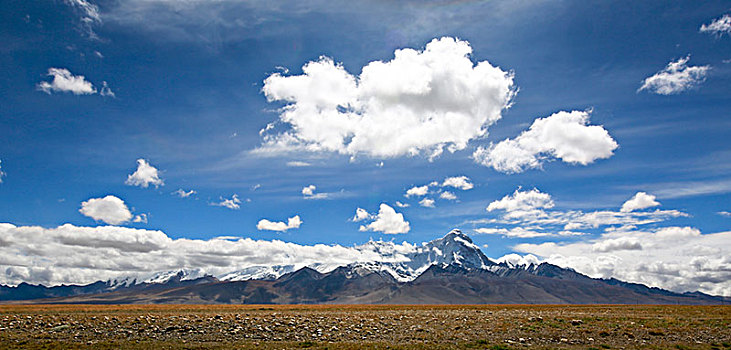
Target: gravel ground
[{"x": 459, "y": 327}]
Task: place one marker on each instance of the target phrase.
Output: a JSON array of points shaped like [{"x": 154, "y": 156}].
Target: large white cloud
[
  {"x": 109, "y": 209},
  {"x": 418, "y": 103},
  {"x": 64, "y": 81},
  {"x": 530, "y": 214},
  {"x": 640, "y": 200},
  {"x": 387, "y": 221},
  {"x": 72, "y": 254},
  {"x": 675, "y": 258},
  {"x": 563, "y": 135},
  {"x": 675, "y": 78},
  {"x": 293, "y": 222},
  {"x": 145, "y": 175},
  {"x": 718, "y": 26}
]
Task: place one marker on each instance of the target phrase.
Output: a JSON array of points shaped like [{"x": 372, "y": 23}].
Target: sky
[{"x": 148, "y": 135}]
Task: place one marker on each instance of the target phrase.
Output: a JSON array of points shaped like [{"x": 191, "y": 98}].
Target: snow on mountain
[
  {"x": 262, "y": 272},
  {"x": 404, "y": 262},
  {"x": 456, "y": 248},
  {"x": 158, "y": 277}
]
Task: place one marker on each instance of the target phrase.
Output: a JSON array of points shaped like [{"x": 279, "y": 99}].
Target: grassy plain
[{"x": 365, "y": 327}]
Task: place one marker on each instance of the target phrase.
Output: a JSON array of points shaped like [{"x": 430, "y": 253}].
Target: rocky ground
[{"x": 458, "y": 327}]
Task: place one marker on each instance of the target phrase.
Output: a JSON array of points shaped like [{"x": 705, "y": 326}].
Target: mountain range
[{"x": 448, "y": 270}]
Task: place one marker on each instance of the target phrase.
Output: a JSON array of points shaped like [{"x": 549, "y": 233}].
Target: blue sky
[{"x": 186, "y": 91}]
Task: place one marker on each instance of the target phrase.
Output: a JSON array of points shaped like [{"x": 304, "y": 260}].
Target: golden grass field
[{"x": 365, "y": 326}]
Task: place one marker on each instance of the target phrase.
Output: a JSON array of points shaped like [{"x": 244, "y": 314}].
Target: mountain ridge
[{"x": 450, "y": 269}]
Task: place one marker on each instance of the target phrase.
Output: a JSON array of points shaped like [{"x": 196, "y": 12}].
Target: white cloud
[
  {"x": 563, "y": 135},
  {"x": 64, "y": 81},
  {"x": 2, "y": 174},
  {"x": 427, "y": 202},
  {"x": 309, "y": 193},
  {"x": 641, "y": 200},
  {"x": 140, "y": 218},
  {"x": 461, "y": 182},
  {"x": 417, "y": 191},
  {"x": 387, "y": 221},
  {"x": 297, "y": 163},
  {"x": 360, "y": 214},
  {"x": 89, "y": 16},
  {"x": 402, "y": 205},
  {"x": 675, "y": 78},
  {"x": 79, "y": 255},
  {"x": 309, "y": 190},
  {"x": 293, "y": 222},
  {"x": 145, "y": 175},
  {"x": 231, "y": 203},
  {"x": 675, "y": 258},
  {"x": 418, "y": 103},
  {"x": 522, "y": 201},
  {"x": 718, "y": 27},
  {"x": 106, "y": 91},
  {"x": 526, "y": 214},
  {"x": 622, "y": 243},
  {"x": 523, "y": 232},
  {"x": 447, "y": 195},
  {"x": 109, "y": 209},
  {"x": 724, "y": 213},
  {"x": 183, "y": 193}
]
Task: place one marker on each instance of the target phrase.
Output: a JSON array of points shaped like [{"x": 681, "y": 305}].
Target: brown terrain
[{"x": 365, "y": 326}]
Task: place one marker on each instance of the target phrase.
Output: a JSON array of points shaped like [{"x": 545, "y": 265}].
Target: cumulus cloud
[
  {"x": 427, "y": 202},
  {"x": 293, "y": 222},
  {"x": 641, "y": 200},
  {"x": 109, "y": 209},
  {"x": 522, "y": 201},
  {"x": 72, "y": 254},
  {"x": 675, "y": 258},
  {"x": 447, "y": 195},
  {"x": 622, "y": 243},
  {"x": 417, "y": 191},
  {"x": 360, "y": 215},
  {"x": 2, "y": 174},
  {"x": 528, "y": 214},
  {"x": 675, "y": 78},
  {"x": 309, "y": 193},
  {"x": 563, "y": 135},
  {"x": 402, "y": 205},
  {"x": 183, "y": 193},
  {"x": 309, "y": 190},
  {"x": 724, "y": 213},
  {"x": 64, "y": 81},
  {"x": 420, "y": 102},
  {"x": 231, "y": 203},
  {"x": 141, "y": 218},
  {"x": 387, "y": 221},
  {"x": 144, "y": 176},
  {"x": 718, "y": 27},
  {"x": 461, "y": 182}
]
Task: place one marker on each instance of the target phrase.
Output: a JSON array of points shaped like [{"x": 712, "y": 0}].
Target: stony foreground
[{"x": 395, "y": 327}]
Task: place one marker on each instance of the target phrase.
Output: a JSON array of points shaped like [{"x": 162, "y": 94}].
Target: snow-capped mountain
[
  {"x": 158, "y": 278},
  {"x": 451, "y": 269},
  {"x": 403, "y": 262},
  {"x": 456, "y": 248}
]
